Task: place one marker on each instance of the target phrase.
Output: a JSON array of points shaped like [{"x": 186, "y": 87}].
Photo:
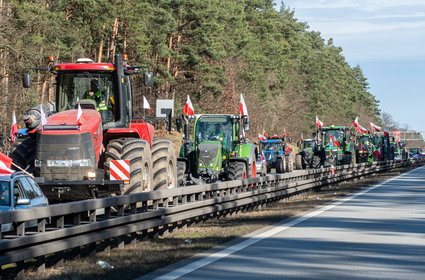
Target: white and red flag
[
  {"x": 242, "y": 107},
  {"x": 80, "y": 117},
  {"x": 262, "y": 137},
  {"x": 318, "y": 122},
  {"x": 375, "y": 127},
  {"x": 188, "y": 107},
  {"x": 13, "y": 128},
  {"x": 146, "y": 105},
  {"x": 5, "y": 164},
  {"x": 361, "y": 129},
  {"x": 356, "y": 122},
  {"x": 43, "y": 119}
]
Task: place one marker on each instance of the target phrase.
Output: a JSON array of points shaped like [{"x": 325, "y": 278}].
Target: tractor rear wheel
[
  {"x": 138, "y": 152},
  {"x": 164, "y": 165},
  {"x": 315, "y": 163},
  {"x": 24, "y": 155},
  {"x": 236, "y": 171},
  {"x": 298, "y": 162},
  {"x": 280, "y": 165},
  {"x": 289, "y": 163}
]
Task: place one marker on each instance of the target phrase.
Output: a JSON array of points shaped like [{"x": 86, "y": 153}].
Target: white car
[{"x": 261, "y": 164}]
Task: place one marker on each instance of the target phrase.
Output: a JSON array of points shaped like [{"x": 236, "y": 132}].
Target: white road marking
[{"x": 284, "y": 226}]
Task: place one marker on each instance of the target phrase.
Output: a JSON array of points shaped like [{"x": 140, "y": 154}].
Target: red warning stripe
[{"x": 119, "y": 170}]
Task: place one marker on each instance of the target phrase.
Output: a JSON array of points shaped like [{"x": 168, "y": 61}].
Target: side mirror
[
  {"x": 148, "y": 79},
  {"x": 179, "y": 124},
  {"x": 26, "y": 80},
  {"x": 23, "y": 201},
  {"x": 246, "y": 124}
]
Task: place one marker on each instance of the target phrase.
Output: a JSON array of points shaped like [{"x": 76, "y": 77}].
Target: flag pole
[{"x": 23, "y": 170}]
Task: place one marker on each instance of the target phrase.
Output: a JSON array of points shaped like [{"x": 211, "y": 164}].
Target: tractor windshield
[
  {"x": 95, "y": 89},
  {"x": 215, "y": 128},
  {"x": 308, "y": 144},
  {"x": 333, "y": 137},
  {"x": 271, "y": 146}
]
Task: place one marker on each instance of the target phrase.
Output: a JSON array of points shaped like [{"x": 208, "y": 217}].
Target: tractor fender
[{"x": 248, "y": 151}]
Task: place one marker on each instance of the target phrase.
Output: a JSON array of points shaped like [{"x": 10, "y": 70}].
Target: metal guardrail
[{"x": 60, "y": 227}]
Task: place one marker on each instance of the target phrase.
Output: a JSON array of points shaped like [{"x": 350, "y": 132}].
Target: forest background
[{"x": 212, "y": 50}]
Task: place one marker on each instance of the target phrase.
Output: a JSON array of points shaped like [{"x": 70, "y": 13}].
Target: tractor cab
[
  {"x": 337, "y": 145},
  {"x": 217, "y": 149},
  {"x": 95, "y": 89}
]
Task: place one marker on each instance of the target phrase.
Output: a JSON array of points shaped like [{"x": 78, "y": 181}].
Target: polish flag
[
  {"x": 13, "y": 128},
  {"x": 43, "y": 118},
  {"x": 356, "y": 122},
  {"x": 262, "y": 137},
  {"x": 318, "y": 122},
  {"x": 375, "y": 127},
  {"x": 361, "y": 129},
  {"x": 386, "y": 132},
  {"x": 5, "y": 164},
  {"x": 188, "y": 107},
  {"x": 80, "y": 117},
  {"x": 242, "y": 107},
  {"x": 146, "y": 105}
]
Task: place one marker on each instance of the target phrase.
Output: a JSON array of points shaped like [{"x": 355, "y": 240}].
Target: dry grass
[{"x": 146, "y": 256}]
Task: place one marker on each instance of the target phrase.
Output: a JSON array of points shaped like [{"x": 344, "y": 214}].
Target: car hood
[{"x": 4, "y": 208}]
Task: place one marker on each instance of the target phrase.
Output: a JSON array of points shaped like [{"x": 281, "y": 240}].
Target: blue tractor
[{"x": 277, "y": 153}]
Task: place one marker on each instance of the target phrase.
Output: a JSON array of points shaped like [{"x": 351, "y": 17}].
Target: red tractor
[{"x": 92, "y": 124}]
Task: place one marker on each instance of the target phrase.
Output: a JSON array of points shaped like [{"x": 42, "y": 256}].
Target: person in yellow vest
[{"x": 96, "y": 94}]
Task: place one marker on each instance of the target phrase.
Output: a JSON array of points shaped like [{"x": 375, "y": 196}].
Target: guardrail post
[
  {"x": 20, "y": 270},
  {"x": 20, "y": 229},
  {"x": 41, "y": 264}
]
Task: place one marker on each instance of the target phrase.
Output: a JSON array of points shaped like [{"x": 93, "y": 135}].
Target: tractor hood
[
  {"x": 67, "y": 120},
  {"x": 67, "y": 150}
]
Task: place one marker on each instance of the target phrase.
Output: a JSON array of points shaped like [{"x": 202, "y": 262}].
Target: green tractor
[
  {"x": 338, "y": 146},
  {"x": 217, "y": 150},
  {"x": 365, "y": 148},
  {"x": 310, "y": 154}
]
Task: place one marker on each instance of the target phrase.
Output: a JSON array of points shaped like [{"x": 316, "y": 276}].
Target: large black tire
[
  {"x": 181, "y": 173},
  {"x": 315, "y": 162},
  {"x": 299, "y": 162},
  {"x": 289, "y": 163},
  {"x": 138, "y": 152},
  {"x": 24, "y": 155},
  {"x": 280, "y": 165},
  {"x": 164, "y": 165},
  {"x": 236, "y": 171}
]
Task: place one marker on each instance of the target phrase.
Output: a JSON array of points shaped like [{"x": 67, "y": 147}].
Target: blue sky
[{"x": 386, "y": 38}]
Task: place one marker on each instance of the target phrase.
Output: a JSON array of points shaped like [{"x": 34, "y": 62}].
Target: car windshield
[
  {"x": 4, "y": 193},
  {"x": 76, "y": 86},
  {"x": 215, "y": 128}
]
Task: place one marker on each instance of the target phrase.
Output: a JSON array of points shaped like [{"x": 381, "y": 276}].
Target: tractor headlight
[{"x": 69, "y": 163}]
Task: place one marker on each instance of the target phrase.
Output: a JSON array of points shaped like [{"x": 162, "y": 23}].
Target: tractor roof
[
  {"x": 332, "y": 127},
  {"x": 271, "y": 141},
  {"x": 84, "y": 66}
]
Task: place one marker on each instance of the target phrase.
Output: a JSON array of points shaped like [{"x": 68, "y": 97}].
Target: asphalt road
[{"x": 376, "y": 234}]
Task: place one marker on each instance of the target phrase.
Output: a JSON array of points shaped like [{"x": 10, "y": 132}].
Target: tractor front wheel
[
  {"x": 138, "y": 152},
  {"x": 237, "y": 170},
  {"x": 24, "y": 154},
  {"x": 280, "y": 165},
  {"x": 181, "y": 170},
  {"x": 316, "y": 161}
]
